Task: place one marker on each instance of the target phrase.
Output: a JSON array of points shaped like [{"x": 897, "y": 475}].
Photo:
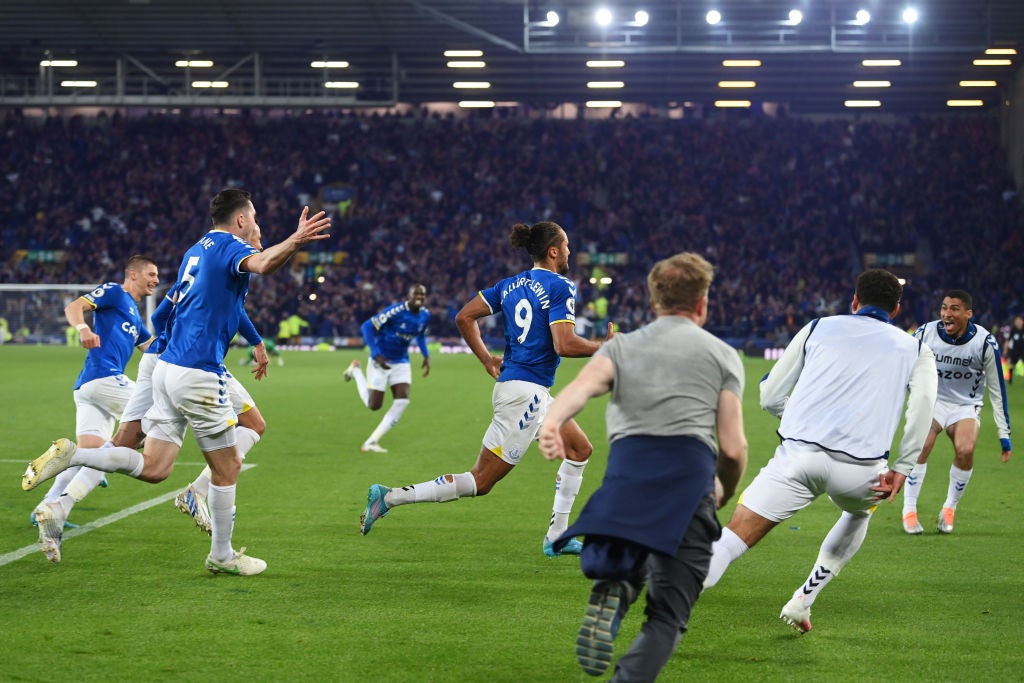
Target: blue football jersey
[
  {"x": 117, "y": 321},
  {"x": 390, "y": 332},
  {"x": 211, "y": 292},
  {"x": 532, "y": 301}
]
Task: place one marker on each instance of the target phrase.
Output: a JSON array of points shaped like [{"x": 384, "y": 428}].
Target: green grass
[{"x": 461, "y": 592}]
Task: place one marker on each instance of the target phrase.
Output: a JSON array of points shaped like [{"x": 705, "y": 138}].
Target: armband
[{"x": 81, "y": 326}]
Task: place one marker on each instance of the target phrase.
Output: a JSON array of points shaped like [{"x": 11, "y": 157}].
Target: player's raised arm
[{"x": 270, "y": 260}]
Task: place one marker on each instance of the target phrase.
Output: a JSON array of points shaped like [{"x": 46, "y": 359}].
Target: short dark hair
[
  {"x": 227, "y": 203},
  {"x": 537, "y": 238},
  {"x": 878, "y": 287},
  {"x": 962, "y": 295}
]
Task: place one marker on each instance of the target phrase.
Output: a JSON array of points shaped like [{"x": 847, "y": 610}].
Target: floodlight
[
  {"x": 553, "y": 18},
  {"x": 713, "y": 17},
  {"x": 603, "y": 16},
  {"x": 863, "y": 16},
  {"x": 641, "y": 18},
  {"x": 910, "y": 15},
  {"x": 795, "y": 16}
]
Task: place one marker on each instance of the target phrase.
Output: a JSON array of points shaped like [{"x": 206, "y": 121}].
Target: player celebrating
[
  {"x": 967, "y": 358},
  {"x": 189, "y": 379},
  {"x": 387, "y": 335},
  {"x": 102, "y": 389},
  {"x": 838, "y": 390},
  {"x": 539, "y": 306}
]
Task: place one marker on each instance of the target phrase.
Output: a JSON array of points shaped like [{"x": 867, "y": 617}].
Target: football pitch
[{"x": 461, "y": 591}]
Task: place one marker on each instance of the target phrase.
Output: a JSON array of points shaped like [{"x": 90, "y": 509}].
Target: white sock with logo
[{"x": 958, "y": 480}]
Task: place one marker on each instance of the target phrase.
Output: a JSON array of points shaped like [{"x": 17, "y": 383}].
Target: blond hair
[{"x": 677, "y": 283}]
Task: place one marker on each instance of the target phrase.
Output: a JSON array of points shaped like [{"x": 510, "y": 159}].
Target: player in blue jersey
[
  {"x": 191, "y": 500},
  {"x": 539, "y": 306},
  {"x": 102, "y": 389},
  {"x": 190, "y": 381},
  {"x": 967, "y": 360},
  {"x": 388, "y": 335}
]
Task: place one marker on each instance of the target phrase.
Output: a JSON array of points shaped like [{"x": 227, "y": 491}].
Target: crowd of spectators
[{"x": 785, "y": 208}]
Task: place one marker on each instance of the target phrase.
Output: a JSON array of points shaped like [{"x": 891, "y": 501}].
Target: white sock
[
  {"x": 567, "y": 485},
  {"x": 84, "y": 482},
  {"x": 724, "y": 551},
  {"x": 119, "y": 459},
  {"x": 246, "y": 438},
  {"x": 958, "y": 479},
  {"x": 202, "y": 482},
  {"x": 439, "y": 490},
  {"x": 360, "y": 379},
  {"x": 60, "y": 483},
  {"x": 841, "y": 543},
  {"x": 912, "y": 489},
  {"x": 390, "y": 419},
  {"x": 221, "y": 503}
]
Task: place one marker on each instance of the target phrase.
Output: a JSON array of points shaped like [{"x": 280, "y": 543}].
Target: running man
[
  {"x": 968, "y": 361},
  {"x": 539, "y": 306},
  {"x": 839, "y": 388},
  {"x": 214, "y": 277},
  {"x": 388, "y": 335},
  {"x": 102, "y": 389}
]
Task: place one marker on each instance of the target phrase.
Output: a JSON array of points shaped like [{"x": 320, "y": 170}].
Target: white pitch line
[{"x": 99, "y": 523}]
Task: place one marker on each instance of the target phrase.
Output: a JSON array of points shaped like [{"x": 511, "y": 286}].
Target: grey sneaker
[{"x": 609, "y": 601}]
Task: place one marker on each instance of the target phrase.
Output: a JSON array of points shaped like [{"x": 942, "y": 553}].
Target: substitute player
[
  {"x": 838, "y": 388},
  {"x": 388, "y": 335},
  {"x": 968, "y": 361}
]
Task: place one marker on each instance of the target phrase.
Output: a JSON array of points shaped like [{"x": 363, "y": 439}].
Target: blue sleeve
[
  {"x": 248, "y": 330},
  {"x": 370, "y": 337},
  {"x": 421, "y": 341},
  {"x": 160, "y": 316}
]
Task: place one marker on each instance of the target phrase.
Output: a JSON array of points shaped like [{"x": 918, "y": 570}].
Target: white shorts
[
  {"x": 186, "y": 397},
  {"x": 142, "y": 397},
  {"x": 798, "y": 473},
  {"x": 379, "y": 379},
  {"x": 519, "y": 408},
  {"x": 947, "y": 414},
  {"x": 99, "y": 403},
  {"x": 241, "y": 399}
]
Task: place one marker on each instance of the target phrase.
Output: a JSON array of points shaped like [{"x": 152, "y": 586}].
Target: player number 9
[{"x": 524, "y": 318}]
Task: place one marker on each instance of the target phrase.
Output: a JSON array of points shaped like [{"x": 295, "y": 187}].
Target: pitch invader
[{"x": 968, "y": 362}]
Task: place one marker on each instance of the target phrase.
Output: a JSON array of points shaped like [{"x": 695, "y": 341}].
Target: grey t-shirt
[{"x": 668, "y": 376}]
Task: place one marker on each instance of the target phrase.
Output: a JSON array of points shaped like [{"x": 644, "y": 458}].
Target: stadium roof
[{"x": 263, "y": 50}]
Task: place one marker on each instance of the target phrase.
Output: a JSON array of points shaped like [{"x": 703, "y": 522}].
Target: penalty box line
[{"x": 101, "y": 522}]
